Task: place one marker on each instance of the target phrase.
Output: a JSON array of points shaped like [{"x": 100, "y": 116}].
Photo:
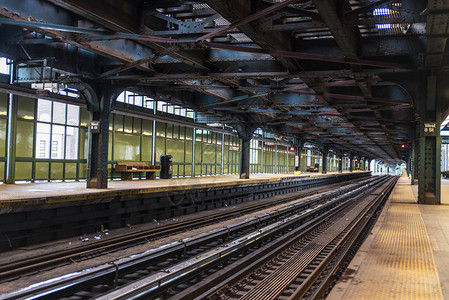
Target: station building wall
[{"x": 50, "y": 142}]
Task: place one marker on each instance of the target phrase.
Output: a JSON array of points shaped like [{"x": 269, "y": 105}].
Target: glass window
[
  {"x": 149, "y": 103},
  {"x": 59, "y": 112},
  {"x": 43, "y": 110},
  {"x": 57, "y": 142},
  {"x": 71, "y": 144},
  {"x": 42, "y": 140},
  {"x": 138, "y": 100},
  {"x": 162, "y": 106},
  {"x": 4, "y": 67},
  {"x": 73, "y": 113},
  {"x": 121, "y": 97}
]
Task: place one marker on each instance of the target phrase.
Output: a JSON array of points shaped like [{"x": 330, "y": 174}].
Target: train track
[
  {"x": 303, "y": 267},
  {"x": 171, "y": 268},
  {"x": 10, "y": 271}
]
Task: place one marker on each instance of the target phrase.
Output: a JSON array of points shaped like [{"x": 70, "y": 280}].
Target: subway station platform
[
  {"x": 17, "y": 197},
  {"x": 407, "y": 254},
  {"x": 35, "y": 213}
]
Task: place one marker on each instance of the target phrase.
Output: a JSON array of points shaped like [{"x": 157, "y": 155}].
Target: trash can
[{"x": 166, "y": 167}]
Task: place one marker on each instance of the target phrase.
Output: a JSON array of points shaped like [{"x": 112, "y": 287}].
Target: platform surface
[
  {"x": 401, "y": 259},
  {"x": 31, "y": 190},
  {"x": 18, "y": 196}
]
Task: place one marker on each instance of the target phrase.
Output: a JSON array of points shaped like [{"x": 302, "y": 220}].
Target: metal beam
[
  {"x": 344, "y": 35},
  {"x": 248, "y": 19},
  {"x": 94, "y": 32},
  {"x": 353, "y": 14},
  {"x": 138, "y": 62},
  {"x": 308, "y": 56}
]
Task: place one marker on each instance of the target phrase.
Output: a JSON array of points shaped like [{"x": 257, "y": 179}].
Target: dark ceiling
[{"x": 342, "y": 74}]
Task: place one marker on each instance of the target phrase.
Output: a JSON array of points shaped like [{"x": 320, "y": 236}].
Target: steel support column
[
  {"x": 429, "y": 184},
  {"x": 246, "y": 134},
  {"x": 325, "y": 152},
  {"x": 97, "y": 165},
  {"x": 299, "y": 145},
  {"x": 11, "y": 132},
  {"x": 415, "y": 161},
  {"x": 340, "y": 164},
  {"x": 350, "y": 163}
]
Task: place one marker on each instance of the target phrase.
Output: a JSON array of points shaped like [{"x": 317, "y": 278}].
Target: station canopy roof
[{"x": 338, "y": 74}]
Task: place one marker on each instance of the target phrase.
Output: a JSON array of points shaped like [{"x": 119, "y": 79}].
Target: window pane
[
  {"x": 129, "y": 97},
  {"x": 59, "y": 112},
  {"x": 121, "y": 97},
  {"x": 43, "y": 110},
  {"x": 161, "y": 105},
  {"x": 57, "y": 142},
  {"x": 4, "y": 67},
  {"x": 149, "y": 102},
  {"x": 71, "y": 145},
  {"x": 73, "y": 113},
  {"x": 42, "y": 140},
  {"x": 138, "y": 100}
]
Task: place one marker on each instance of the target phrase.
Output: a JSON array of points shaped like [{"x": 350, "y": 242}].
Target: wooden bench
[
  {"x": 312, "y": 169},
  {"x": 127, "y": 168}
]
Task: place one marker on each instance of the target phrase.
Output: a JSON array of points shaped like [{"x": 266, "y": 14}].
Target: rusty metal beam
[
  {"x": 138, "y": 62},
  {"x": 353, "y": 14},
  {"x": 247, "y": 19},
  {"x": 308, "y": 56},
  {"x": 345, "y": 36}
]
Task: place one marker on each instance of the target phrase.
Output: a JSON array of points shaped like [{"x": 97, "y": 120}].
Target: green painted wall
[{"x": 130, "y": 139}]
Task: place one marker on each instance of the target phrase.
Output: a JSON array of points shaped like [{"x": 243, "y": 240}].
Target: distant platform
[
  {"x": 32, "y": 194},
  {"x": 34, "y": 213},
  {"x": 405, "y": 257}
]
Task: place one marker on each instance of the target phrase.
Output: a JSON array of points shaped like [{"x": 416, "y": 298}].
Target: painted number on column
[{"x": 430, "y": 129}]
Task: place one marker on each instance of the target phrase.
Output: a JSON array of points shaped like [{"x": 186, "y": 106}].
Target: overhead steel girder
[
  {"x": 235, "y": 10},
  {"x": 96, "y": 12},
  {"x": 248, "y": 19},
  {"x": 65, "y": 57},
  {"x": 344, "y": 35},
  {"x": 353, "y": 14},
  {"x": 121, "y": 50},
  {"x": 253, "y": 75},
  {"x": 404, "y": 49},
  {"x": 216, "y": 55},
  {"x": 308, "y": 56},
  {"x": 410, "y": 45},
  {"x": 114, "y": 20}
]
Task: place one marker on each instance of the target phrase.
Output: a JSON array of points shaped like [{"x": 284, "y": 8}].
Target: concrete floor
[
  {"x": 436, "y": 222},
  {"x": 45, "y": 189},
  {"x": 436, "y": 218}
]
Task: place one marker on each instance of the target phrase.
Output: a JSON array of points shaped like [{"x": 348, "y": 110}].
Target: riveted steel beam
[
  {"x": 248, "y": 19},
  {"x": 307, "y": 56},
  {"x": 353, "y": 14},
  {"x": 344, "y": 35}
]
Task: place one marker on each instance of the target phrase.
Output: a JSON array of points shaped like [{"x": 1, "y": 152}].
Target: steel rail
[
  {"x": 36, "y": 263},
  {"x": 341, "y": 247},
  {"x": 155, "y": 284},
  {"x": 211, "y": 286},
  {"x": 74, "y": 282}
]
